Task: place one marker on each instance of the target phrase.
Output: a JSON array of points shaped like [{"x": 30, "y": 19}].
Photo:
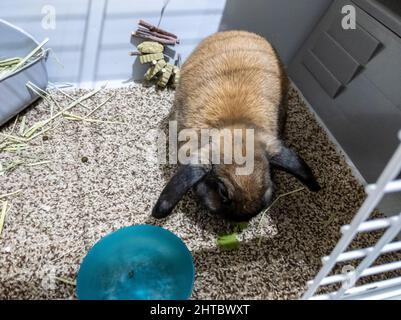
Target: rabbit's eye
[{"x": 223, "y": 192}]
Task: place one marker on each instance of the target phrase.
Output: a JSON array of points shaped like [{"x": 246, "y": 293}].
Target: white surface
[
  {"x": 92, "y": 38},
  {"x": 359, "y": 254}
]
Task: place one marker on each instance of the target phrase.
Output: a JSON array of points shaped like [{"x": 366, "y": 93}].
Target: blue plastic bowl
[{"x": 140, "y": 262}]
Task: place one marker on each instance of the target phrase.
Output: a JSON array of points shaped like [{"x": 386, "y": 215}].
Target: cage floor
[{"x": 67, "y": 205}]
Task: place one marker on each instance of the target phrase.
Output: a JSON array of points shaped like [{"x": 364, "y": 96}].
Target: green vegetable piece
[
  {"x": 150, "y": 47},
  {"x": 152, "y": 71},
  {"x": 240, "y": 226},
  {"x": 150, "y": 57},
  {"x": 228, "y": 241},
  {"x": 166, "y": 74}
]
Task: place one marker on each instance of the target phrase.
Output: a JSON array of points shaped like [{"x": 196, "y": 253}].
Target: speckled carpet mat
[{"x": 68, "y": 204}]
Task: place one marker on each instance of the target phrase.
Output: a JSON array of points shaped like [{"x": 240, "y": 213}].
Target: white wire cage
[{"x": 388, "y": 289}]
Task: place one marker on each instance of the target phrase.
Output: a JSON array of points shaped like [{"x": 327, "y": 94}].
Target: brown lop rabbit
[{"x": 234, "y": 80}]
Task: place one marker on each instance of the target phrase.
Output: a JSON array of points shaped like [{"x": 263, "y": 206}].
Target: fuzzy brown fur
[
  {"x": 232, "y": 78},
  {"x": 235, "y": 80}
]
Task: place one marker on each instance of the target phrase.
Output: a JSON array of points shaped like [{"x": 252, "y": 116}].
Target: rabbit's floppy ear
[
  {"x": 186, "y": 177},
  {"x": 289, "y": 161}
]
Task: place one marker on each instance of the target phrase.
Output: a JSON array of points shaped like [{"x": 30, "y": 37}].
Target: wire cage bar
[{"x": 385, "y": 289}]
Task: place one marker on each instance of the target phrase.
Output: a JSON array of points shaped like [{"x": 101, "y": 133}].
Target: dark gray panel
[
  {"x": 321, "y": 74},
  {"x": 365, "y": 117},
  {"x": 384, "y": 70},
  {"x": 387, "y": 12},
  {"x": 285, "y": 23},
  {"x": 341, "y": 64},
  {"x": 366, "y": 132},
  {"x": 358, "y": 43},
  {"x": 387, "y": 76}
]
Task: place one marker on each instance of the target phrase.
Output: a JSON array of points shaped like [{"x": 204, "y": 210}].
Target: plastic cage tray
[{"x": 14, "y": 95}]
